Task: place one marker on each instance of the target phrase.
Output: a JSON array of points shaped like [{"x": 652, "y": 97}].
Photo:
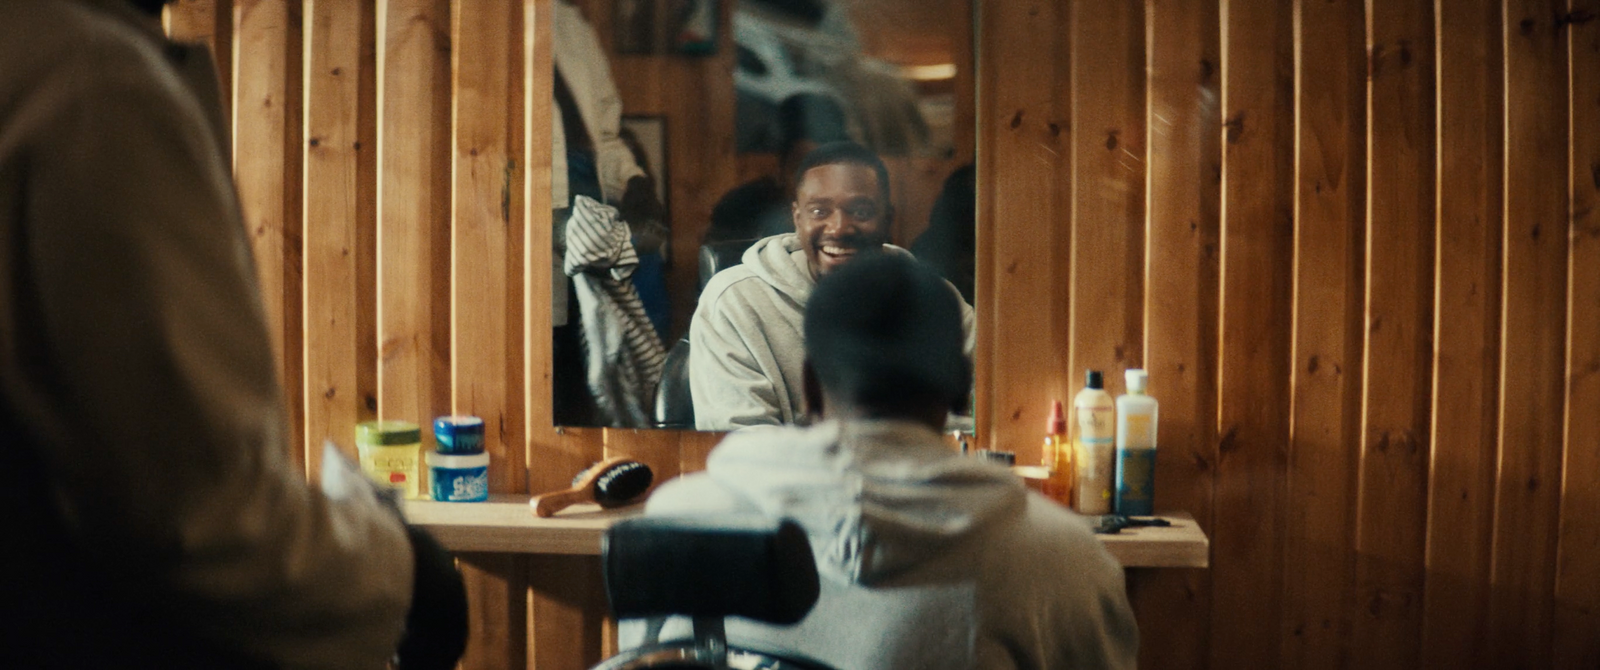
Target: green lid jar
[
  {"x": 391, "y": 453},
  {"x": 388, "y": 433}
]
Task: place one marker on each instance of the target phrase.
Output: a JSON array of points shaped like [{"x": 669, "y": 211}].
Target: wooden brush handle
[
  {"x": 547, "y": 504},
  {"x": 582, "y": 490}
]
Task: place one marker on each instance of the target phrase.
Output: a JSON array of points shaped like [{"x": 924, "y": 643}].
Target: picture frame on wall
[{"x": 660, "y": 27}]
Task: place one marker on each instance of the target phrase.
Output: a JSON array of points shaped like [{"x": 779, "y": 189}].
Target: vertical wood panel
[
  {"x": 1257, "y": 246},
  {"x": 1534, "y": 325},
  {"x": 267, "y": 154},
  {"x": 485, "y": 261},
  {"x": 568, "y": 615},
  {"x": 414, "y": 210},
  {"x": 1319, "y": 570},
  {"x": 1022, "y": 162},
  {"x": 487, "y": 60},
  {"x": 497, "y": 612},
  {"x": 1180, "y": 349},
  {"x": 1577, "y": 622},
  {"x": 340, "y": 202},
  {"x": 1107, "y": 205},
  {"x": 1391, "y": 507},
  {"x": 1466, "y": 332}
]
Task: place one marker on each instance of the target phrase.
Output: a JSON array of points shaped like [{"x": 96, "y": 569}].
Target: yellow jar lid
[{"x": 388, "y": 433}]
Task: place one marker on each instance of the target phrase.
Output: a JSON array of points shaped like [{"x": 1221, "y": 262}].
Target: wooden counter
[{"x": 505, "y": 524}]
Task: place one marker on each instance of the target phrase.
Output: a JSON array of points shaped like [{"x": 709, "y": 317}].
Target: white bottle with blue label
[{"x": 1136, "y": 447}]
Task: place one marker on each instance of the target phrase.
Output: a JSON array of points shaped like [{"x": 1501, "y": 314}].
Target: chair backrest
[
  {"x": 674, "y": 404},
  {"x": 709, "y": 566},
  {"x": 718, "y": 256}
]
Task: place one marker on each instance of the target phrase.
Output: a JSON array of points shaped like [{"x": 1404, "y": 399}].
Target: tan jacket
[{"x": 155, "y": 519}]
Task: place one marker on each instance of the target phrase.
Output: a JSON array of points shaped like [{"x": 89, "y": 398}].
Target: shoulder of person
[
  {"x": 103, "y": 41},
  {"x": 730, "y": 287},
  {"x": 1051, "y": 535},
  {"x": 694, "y": 493}
]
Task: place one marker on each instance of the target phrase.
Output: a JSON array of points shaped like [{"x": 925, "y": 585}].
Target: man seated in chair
[
  {"x": 928, "y": 558},
  {"x": 745, "y": 337}
]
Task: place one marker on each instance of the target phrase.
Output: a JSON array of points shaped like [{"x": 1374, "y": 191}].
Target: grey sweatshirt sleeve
[
  {"x": 727, "y": 355},
  {"x": 156, "y": 395}
]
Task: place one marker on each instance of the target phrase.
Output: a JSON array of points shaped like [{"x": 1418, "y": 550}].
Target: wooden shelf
[
  {"x": 1181, "y": 545},
  {"x": 506, "y": 524}
]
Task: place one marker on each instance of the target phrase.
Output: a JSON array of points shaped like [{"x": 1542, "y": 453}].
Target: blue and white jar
[
  {"x": 459, "y": 477},
  {"x": 458, "y": 434}
]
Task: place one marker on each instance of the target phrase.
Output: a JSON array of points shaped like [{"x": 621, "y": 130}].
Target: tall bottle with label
[
  {"x": 1095, "y": 446},
  {"x": 1058, "y": 457},
  {"x": 1136, "y": 447}
]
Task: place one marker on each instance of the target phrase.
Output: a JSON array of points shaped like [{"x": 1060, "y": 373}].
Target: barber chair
[
  {"x": 674, "y": 405},
  {"x": 718, "y": 256},
  {"x": 707, "y": 568}
]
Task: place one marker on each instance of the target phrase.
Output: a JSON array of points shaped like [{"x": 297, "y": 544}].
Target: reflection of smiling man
[{"x": 746, "y": 348}]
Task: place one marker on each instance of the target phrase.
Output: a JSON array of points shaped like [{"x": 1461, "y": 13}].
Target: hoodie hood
[
  {"x": 781, "y": 262},
  {"x": 876, "y": 497}
]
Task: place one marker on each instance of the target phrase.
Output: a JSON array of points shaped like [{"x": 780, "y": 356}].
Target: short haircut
[
  {"x": 884, "y": 332},
  {"x": 846, "y": 153}
]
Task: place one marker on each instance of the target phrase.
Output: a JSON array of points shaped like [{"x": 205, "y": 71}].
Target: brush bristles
[{"x": 622, "y": 482}]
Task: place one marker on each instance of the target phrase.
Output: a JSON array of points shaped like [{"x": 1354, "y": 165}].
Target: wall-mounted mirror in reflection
[{"x": 699, "y": 192}]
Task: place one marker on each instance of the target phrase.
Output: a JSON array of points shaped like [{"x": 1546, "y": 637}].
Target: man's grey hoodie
[
  {"x": 928, "y": 559},
  {"x": 746, "y": 342}
]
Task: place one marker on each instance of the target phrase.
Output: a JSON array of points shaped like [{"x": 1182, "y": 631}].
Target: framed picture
[
  {"x": 646, "y": 135},
  {"x": 655, "y": 27}
]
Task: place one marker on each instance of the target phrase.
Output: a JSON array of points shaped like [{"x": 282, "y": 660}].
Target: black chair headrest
[
  {"x": 674, "y": 402},
  {"x": 721, "y": 255},
  {"x": 710, "y": 566}
]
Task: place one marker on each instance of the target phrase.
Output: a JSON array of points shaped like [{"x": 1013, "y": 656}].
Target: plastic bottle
[
  {"x": 1058, "y": 457},
  {"x": 1095, "y": 447},
  {"x": 1136, "y": 447}
]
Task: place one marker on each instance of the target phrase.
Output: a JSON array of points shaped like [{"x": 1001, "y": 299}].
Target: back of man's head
[{"x": 884, "y": 338}]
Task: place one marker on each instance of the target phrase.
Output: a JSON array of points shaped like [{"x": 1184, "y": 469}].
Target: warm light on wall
[{"x": 929, "y": 72}]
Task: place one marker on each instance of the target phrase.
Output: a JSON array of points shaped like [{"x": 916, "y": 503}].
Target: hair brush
[{"x": 611, "y": 483}]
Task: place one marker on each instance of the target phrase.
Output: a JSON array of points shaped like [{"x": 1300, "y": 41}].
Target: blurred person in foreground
[
  {"x": 928, "y": 558},
  {"x": 746, "y": 346},
  {"x": 156, "y": 519}
]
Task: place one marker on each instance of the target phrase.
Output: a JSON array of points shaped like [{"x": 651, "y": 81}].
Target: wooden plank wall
[
  {"x": 1368, "y": 292},
  {"x": 1357, "y": 244}
]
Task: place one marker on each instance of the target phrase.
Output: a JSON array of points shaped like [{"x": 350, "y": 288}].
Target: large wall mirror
[{"x": 677, "y": 129}]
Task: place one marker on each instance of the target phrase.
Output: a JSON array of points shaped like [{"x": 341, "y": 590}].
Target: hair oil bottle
[
  {"x": 1058, "y": 457},
  {"x": 1095, "y": 447}
]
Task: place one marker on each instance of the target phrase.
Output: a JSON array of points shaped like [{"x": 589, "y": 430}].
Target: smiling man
[{"x": 747, "y": 351}]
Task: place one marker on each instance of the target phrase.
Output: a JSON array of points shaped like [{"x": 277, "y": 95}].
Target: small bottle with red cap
[{"x": 1058, "y": 457}]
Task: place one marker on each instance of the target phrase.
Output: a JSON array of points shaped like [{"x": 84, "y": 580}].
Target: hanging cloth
[{"x": 622, "y": 355}]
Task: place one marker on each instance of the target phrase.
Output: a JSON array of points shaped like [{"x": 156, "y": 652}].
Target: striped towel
[{"x": 623, "y": 356}]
